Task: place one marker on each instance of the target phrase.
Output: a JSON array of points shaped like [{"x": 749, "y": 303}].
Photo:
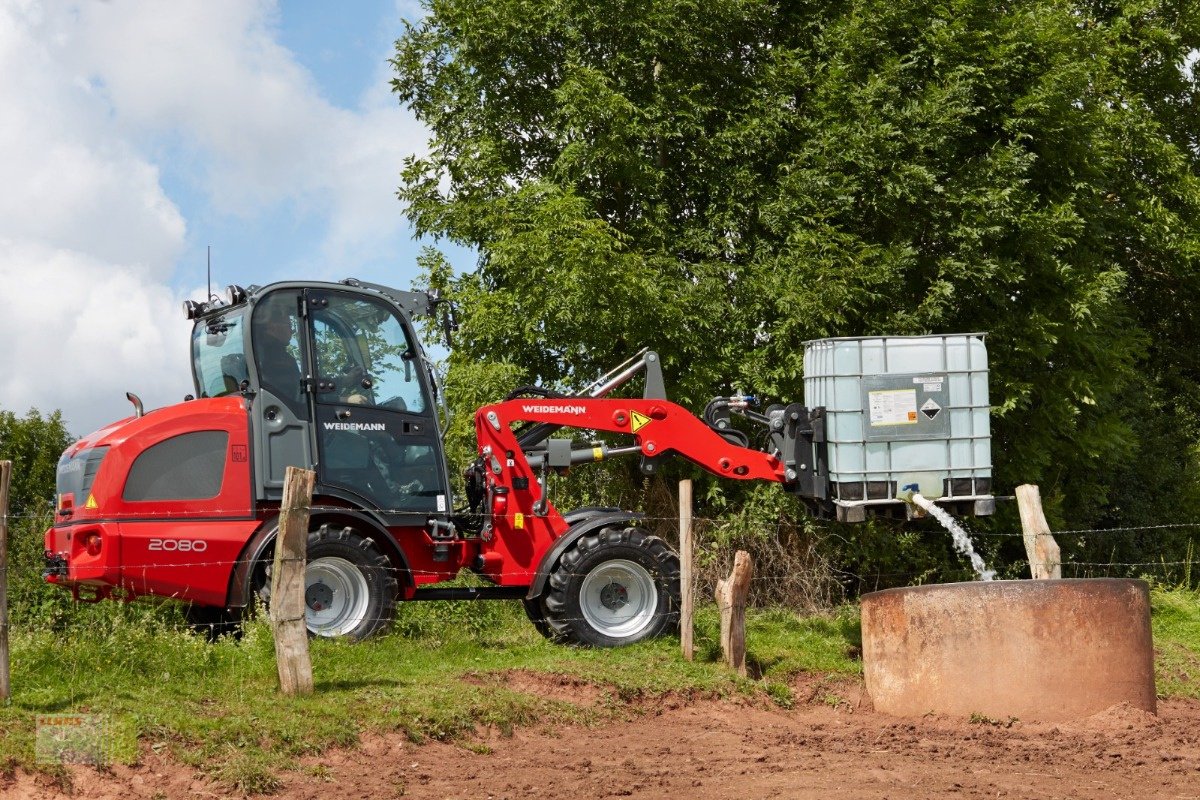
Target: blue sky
[
  {"x": 344, "y": 48},
  {"x": 137, "y": 133}
]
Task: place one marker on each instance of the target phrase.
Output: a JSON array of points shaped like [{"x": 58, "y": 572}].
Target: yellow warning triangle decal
[
  {"x": 638, "y": 422},
  {"x": 91, "y": 502}
]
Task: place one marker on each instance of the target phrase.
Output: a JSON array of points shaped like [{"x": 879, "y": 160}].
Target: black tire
[
  {"x": 537, "y": 615},
  {"x": 350, "y": 586},
  {"x": 612, "y": 588},
  {"x": 212, "y": 622}
]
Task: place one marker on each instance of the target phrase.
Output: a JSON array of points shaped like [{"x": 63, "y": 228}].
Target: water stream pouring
[{"x": 962, "y": 540}]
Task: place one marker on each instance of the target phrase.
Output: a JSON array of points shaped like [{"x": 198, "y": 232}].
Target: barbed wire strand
[
  {"x": 420, "y": 517},
  {"x": 421, "y": 578}
]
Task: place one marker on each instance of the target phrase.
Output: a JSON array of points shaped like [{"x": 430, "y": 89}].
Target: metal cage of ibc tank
[{"x": 903, "y": 414}]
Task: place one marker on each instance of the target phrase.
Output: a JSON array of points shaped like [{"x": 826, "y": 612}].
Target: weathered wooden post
[
  {"x": 287, "y": 584},
  {"x": 687, "y": 607},
  {"x": 1045, "y": 559},
  {"x": 731, "y": 599},
  {"x": 5, "y": 481}
]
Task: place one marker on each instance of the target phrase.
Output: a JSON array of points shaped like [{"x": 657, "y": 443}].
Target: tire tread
[{"x": 560, "y": 604}]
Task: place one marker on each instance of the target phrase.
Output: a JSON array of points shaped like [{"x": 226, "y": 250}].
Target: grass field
[
  {"x": 438, "y": 674},
  {"x": 1175, "y": 619}
]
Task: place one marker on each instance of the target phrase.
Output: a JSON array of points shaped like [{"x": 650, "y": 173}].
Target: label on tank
[
  {"x": 905, "y": 407},
  {"x": 893, "y": 407}
]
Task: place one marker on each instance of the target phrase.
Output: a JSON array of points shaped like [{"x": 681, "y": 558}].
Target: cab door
[
  {"x": 281, "y": 412},
  {"x": 376, "y": 432}
]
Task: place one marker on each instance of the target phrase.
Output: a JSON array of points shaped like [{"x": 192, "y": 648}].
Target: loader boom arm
[
  {"x": 507, "y": 485},
  {"x": 659, "y": 428}
]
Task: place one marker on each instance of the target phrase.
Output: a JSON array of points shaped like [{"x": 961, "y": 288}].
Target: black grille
[{"x": 76, "y": 475}]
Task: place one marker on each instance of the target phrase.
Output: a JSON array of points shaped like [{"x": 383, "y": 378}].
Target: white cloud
[
  {"x": 68, "y": 180},
  {"x": 212, "y": 73},
  {"x": 79, "y": 332},
  {"x": 94, "y": 93},
  {"x": 365, "y": 211}
]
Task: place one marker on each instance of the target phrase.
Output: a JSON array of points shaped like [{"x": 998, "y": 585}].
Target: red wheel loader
[{"x": 183, "y": 501}]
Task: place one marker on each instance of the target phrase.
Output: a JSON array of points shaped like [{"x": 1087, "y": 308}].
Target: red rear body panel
[
  {"x": 168, "y": 547},
  {"x": 187, "y": 549}
]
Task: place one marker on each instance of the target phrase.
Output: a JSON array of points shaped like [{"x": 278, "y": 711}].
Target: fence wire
[
  {"x": 792, "y": 562},
  {"x": 819, "y": 525},
  {"x": 792, "y": 567}
]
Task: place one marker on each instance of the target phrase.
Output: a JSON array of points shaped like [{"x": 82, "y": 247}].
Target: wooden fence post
[
  {"x": 287, "y": 584},
  {"x": 5, "y": 481},
  {"x": 731, "y": 599},
  {"x": 687, "y": 607},
  {"x": 1045, "y": 559}
]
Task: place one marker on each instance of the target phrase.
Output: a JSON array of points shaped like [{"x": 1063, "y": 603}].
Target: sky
[{"x": 137, "y": 133}]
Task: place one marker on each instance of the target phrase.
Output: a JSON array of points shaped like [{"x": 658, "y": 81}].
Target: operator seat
[{"x": 234, "y": 371}]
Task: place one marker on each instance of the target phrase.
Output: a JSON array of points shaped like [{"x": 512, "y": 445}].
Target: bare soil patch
[
  {"x": 831, "y": 745},
  {"x": 563, "y": 688}
]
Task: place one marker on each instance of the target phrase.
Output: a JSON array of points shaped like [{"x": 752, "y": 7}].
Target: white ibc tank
[{"x": 903, "y": 414}]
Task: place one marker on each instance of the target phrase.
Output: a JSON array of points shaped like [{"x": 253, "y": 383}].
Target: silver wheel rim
[
  {"x": 336, "y": 596},
  {"x": 618, "y": 598}
]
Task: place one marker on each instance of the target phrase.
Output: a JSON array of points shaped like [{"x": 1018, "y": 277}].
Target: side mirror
[{"x": 449, "y": 316}]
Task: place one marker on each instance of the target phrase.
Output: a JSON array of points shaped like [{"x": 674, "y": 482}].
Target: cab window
[
  {"x": 218, "y": 357},
  {"x": 364, "y": 356},
  {"x": 278, "y": 355}
]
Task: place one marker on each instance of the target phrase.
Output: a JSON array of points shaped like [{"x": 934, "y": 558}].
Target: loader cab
[{"x": 336, "y": 381}]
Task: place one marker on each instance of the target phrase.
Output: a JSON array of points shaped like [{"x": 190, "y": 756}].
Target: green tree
[
  {"x": 725, "y": 180},
  {"x": 33, "y": 443}
]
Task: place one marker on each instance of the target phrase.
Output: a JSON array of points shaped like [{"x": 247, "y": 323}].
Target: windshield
[{"x": 218, "y": 356}]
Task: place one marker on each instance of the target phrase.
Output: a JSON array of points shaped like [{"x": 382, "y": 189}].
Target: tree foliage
[
  {"x": 725, "y": 180},
  {"x": 33, "y": 443}
]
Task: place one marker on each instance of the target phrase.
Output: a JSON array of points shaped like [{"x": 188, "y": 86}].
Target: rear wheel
[
  {"x": 349, "y": 585},
  {"x": 613, "y": 587},
  {"x": 212, "y": 622}
]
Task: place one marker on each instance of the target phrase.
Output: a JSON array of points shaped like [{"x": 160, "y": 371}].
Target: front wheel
[{"x": 613, "y": 587}]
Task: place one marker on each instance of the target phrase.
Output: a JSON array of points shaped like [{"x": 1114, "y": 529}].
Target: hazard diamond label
[
  {"x": 637, "y": 421},
  {"x": 930, "y": 408}
]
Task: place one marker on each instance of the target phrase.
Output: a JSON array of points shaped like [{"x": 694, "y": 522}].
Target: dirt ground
[{"x": 830, "y": 745}]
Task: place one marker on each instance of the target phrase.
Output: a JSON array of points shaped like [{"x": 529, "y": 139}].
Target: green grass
[
  {"x": 1175, "y": 620},
  {"x": 216, "y": 707}
]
